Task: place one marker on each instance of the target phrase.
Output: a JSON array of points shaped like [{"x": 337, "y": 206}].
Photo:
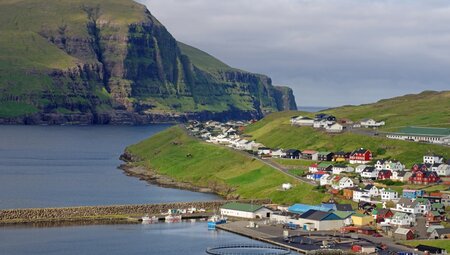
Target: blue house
[
  {"x": 413, "y": 194},
  {"x": 302, "y": 208}
]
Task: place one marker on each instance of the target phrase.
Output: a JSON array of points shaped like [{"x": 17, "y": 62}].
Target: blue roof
[{"x": 302, "y": 208}]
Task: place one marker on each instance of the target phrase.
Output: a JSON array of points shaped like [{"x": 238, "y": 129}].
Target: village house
[
  {"x": 315, "y": 220},
  {"x": 434, "y": 217},
  {"x": 341, "y": 156},
  {"x": 362, "y": 219},
  {"x": 440, "y": 233},
  {"x": 423, "y": 167},
  {"x": 313, "y": 168},
  {"x": 361, "y": 168},
  {"x": 320, "y": 123},
  {"x": 326, "y": 180},
  {"x": 424, "y": 177},
  {"x": 402, "y": 219},
  {"x": 325, "y": 156},
  {"x": 372, "y": 190},
  {"x": 422, "y": 134},
  {"x": 432, "y": 159},
  {"x": 384, "y": 174},
  {"x": 380, "y": 215},
  {"x": 279, "y": 153},
  {"x": 370, "y": 172},
  {"x": 340, "y": 183},
  {"x": 360, "y": 156},
  {"x": 370, "y": 123},
  {"x": 302, "y": 121},
  {"x": 317, "y": 176},
  {"x": 408, "y": 206},
  {"x": 338, "y": 169},
  {"x": 443, "y": 170},
  {"x": 293, "y": 154},
  {"x": 445, "y": 199},
  {"x": 348, "y": 192},
  {"x": 412, "y": 194},
  {"x": 248, "y": 211},
  {"x": 361, "y": 195},
  {"x": 401, "y": 176},
  {"x": 302, "y": 208},
  {"x": 389, "y": 195},
  {"x": 334, "y": 128},
  {"x": 392, "y": 165},
  {"x": 324, "y": 166},
  {"x": 424, "y": 204},
  {"x": 309, "y": 155},
  {"x": 264, "y": 152},
  {"x": 403, "y": 234}
]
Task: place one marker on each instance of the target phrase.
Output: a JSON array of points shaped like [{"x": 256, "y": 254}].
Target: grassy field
[
  {"x": 294, "y": 162},
  {"x": 175, "y": 154},
  {"x": 444, "y": 244},
  {"x": 428, "y": 108},
  {"x": 275, "y": 131}
]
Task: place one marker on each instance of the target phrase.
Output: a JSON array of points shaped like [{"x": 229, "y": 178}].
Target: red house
[
  {"x": 434, "y": 217},
  {"x": 360, "y": 156},
  {"x": 381, "y": 215},
  {"x": 424, "y": 177},
  {"x": 384, "y": 175},
  {"x": 423, "y": 167}
]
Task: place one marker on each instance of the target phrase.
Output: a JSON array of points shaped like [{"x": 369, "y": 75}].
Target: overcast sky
[{"x": 330, "y": 52}]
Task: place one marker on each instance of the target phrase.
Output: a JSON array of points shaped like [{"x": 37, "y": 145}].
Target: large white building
[
  {"x": 247, "y": 211},
  {"x": 423, "y": 134}
]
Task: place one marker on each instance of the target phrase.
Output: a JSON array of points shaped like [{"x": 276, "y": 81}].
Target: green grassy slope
[
  {"x": 444, "y": 244},
  {"x": 275, "y": 131},
  {"x": 202, "y": 59},
  {"x": 428, "y": 108},
  {"x": 214, "y": 166}
]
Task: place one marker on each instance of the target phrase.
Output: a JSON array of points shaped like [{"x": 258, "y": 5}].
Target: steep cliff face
[{"x": 113, "y": 62}]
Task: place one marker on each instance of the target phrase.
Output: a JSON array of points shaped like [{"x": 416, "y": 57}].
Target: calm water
[
  {"x": 157, "y": 239},
  {"x": 58, "y": 166}
]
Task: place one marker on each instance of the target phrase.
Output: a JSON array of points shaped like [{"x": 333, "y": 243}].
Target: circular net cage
[{"x": 247, "y": 249}]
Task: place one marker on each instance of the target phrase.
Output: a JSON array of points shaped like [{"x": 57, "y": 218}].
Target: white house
[
  {"x": 361, "y": 195},
  {"x": 338, "y": 169},
  {"x": 302, "y": 121},
  {"x": 334, "y": 128},
  {"x": 391, "y": 165},
  {"x": 372, "y": 190},
  {"x": 278, "y": 153},
  {"x": 431, "y": 159},
  {"x": 401, "y": 176},
  {"x": 408, "y": 206},
  {"x": 313, "y": 168},
  {"x": 370, "y": 172},
  {"x": 401, "y": 219},
  {"x": 320, "y": 123},
  {"x": 388, "y": 194},
  {"x": 443, "y": 170},
  {"x": 360, "y": 168},
  {"x": 247, "y": 211},
  {"x": 370, "y": 123},
  {"x": 264, "y": 151},
  {"x": 342, "y": 183},
  {"x": 326, "y": 179}
]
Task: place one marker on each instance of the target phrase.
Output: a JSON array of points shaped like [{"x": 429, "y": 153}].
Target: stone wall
[{"x": 86, "y": 212}]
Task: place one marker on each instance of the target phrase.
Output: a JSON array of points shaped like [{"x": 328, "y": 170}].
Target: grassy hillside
[
  {"x": 275, "y": 131},
  {"x": 212, "y": 166},
  {"x": 429, "y": 108},
  {"x": 202, "y": 59}
]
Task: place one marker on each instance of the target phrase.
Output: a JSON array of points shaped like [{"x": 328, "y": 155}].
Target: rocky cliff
[{"x": 113, "y": 62}]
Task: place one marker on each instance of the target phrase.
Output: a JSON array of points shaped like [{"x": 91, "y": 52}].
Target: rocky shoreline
[{"x": 151, "y": 176}]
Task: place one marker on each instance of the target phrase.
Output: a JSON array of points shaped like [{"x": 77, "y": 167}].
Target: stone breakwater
[{"x": 114, "y": 212}]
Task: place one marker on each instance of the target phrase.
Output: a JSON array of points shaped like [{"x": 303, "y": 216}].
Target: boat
[
  {"x": 147, "y": 220},
  {"x": 173, "y": 218},
  {"x": 216, "y": 220}
]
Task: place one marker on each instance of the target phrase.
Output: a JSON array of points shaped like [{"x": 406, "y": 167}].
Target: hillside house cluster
[{"x": 331, "y": 124}]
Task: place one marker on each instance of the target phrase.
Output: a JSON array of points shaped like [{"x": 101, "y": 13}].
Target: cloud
[{"x": 330, "y": 52}]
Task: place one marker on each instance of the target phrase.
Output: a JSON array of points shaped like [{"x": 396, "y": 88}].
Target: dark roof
[
  {"x": 442, "y": 231},
  {"x": 314, "y": 215},
  {"x": 361, "y": 150},
  {"x": 344, "y": 207},
  {"x": 431, "y": 249},
  {"x": 292, "y": 151},
  {"x": 368, "y": 187},
  {"x": 369, "y": 169}
]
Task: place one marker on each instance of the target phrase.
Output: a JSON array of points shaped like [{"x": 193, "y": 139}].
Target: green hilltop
[
  {"x": 424, "y": 109},
  {"x": 429, "y": 108},
  {"x": 98, "y": 58}
]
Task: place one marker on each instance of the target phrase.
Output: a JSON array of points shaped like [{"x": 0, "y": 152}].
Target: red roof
[
  {"x": 309, "y": 152},
  {"x": 314, "y": 165}
]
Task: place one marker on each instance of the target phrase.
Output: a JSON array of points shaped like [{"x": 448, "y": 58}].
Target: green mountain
[{"x": 99, "y": 61}]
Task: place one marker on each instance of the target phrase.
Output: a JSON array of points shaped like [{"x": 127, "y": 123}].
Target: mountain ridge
[{"x": 113, "y": 62}]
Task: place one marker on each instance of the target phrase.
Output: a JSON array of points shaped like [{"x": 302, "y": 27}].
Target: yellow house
[{"x": 362, "y": 219}]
